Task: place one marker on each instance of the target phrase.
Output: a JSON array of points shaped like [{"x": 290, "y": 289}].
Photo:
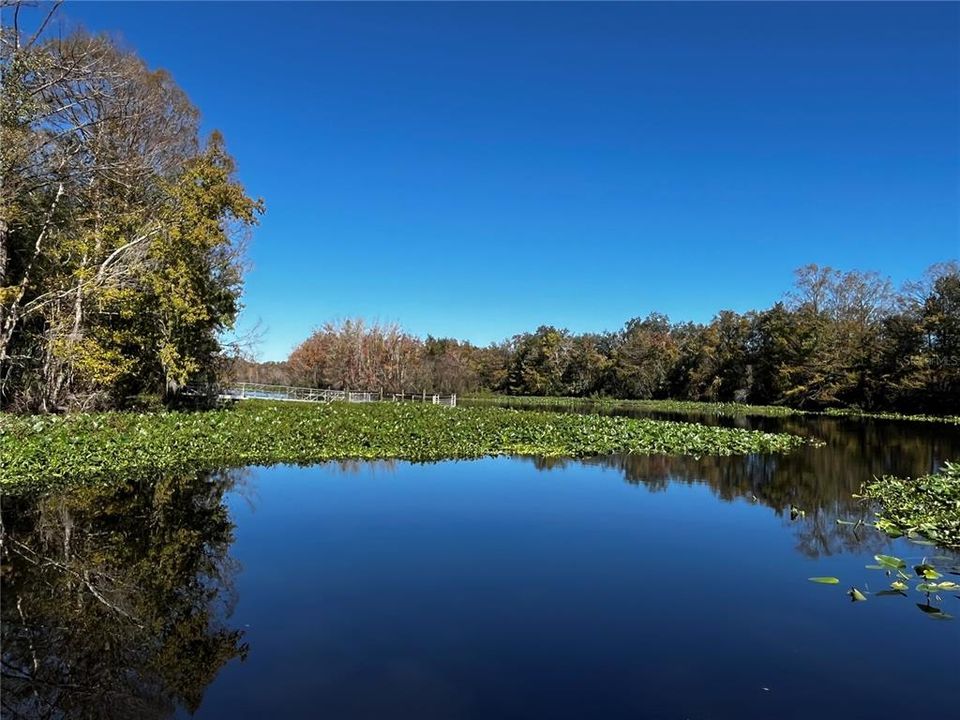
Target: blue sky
[{"x": 476, "y": 170}]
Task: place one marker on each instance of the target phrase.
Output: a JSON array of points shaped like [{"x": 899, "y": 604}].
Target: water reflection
[
  {"x": 821, "y": 481},
  {"x": 860, "y": 447},
  {"x": 115, "y": 598}
]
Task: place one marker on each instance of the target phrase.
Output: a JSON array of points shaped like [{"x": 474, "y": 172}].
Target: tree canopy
[{"x": 121, "y": 229}]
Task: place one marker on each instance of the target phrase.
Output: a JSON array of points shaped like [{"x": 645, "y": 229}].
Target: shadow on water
[{"x": 115, "y": 598}]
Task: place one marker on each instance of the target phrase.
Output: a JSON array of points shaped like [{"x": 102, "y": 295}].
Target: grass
[
  {"x": 928, "y": 505},
  {"x": 37, "y": 450},
  {"x": 732, "y": 409}
]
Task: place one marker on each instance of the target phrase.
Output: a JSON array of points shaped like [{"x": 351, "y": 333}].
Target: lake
[{"x": 613, "y": 587}]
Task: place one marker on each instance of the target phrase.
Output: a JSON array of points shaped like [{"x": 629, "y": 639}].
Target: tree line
[
  {"x": 836, "y": 339},
  {"x": 121, "y": 229}
]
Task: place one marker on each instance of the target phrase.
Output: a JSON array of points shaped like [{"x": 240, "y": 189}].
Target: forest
[{"x": 836, "y": 339}]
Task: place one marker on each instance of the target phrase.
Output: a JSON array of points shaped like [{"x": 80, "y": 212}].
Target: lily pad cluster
[
  {"x": 927, "y": 506},
  {"x": 925, "y": 579}
]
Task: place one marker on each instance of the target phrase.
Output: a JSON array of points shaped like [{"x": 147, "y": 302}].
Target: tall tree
[
  {"x": 120, "y": 256},
  {"x": 644, "y": 357}
]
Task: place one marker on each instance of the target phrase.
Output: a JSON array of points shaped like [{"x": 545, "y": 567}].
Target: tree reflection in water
[
  {"x": 822, "y": 481},
  {"x": 115, "y": 597}
]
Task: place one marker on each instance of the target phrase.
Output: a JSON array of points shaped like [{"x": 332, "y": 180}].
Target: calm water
[{"x": 634, "y": 587}]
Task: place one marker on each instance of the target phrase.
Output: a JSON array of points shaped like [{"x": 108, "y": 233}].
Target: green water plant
[
  {"x": 856, "y": 595},
  {"x": 932, "y": 587},
  {"x": 854, "y": 413},
  {"x": 733, "y": 409},
  {"x": 685, "y": 407},
  {"x": 36, "y": 450},
  {"x": 925, "y": 508}
]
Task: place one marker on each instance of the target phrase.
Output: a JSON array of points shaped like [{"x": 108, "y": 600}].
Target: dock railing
[{"x": 262, "y": 391}]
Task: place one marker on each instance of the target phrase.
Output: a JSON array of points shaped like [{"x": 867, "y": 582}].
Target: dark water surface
[{"x": 627, "y": 586}]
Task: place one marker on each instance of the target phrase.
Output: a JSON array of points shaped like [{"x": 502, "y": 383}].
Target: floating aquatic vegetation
[
  {"x": 36, "y": 450},
  {"x": 732, "y": 409},
  {"x": 894, "y": 567},
  {"x": 856, "y": 595},
  {"x": 925, "y": 509}
]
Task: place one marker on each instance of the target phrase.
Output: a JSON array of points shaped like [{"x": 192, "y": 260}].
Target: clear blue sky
[{"x": 475, "y": 170}]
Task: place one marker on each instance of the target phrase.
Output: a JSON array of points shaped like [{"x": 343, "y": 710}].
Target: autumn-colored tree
[{"x": 357, "y": 355}]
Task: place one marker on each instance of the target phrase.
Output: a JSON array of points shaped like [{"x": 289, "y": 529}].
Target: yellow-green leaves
[{"x": 890, "y": 562}]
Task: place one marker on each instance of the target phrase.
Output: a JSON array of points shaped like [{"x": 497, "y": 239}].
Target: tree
[
  {"x": 121, "y": 233},
  {"x": 540, "y": 362},
  {"x": 940, "y": 325},
  {"x": 357, "y": 355},
  {"x": 644, "y": 357},
  {"x": 839, "y": 318},
  {"x": 719, "y": 369},
  {"x": 589, "y": 366}
]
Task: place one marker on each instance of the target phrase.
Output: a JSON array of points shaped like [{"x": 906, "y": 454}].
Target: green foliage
[
  {"x": 540, "y": 361},
  {"x": 928, "y": 505},
  {"x": 889, "y": 562},
  {"x": 36, "y": 449},
  {"x": 680, "y": 407},
  {"x": 121, "y": 231}
]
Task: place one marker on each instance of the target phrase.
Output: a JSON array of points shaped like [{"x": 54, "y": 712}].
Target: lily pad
[
  {"x": 890, "y": 561},
  {"x": 926, "y": 571},
  {"x": 825, "y": 580}
]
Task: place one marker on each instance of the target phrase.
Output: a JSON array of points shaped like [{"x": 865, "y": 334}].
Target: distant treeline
[{"x": 837, "y": 339}]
